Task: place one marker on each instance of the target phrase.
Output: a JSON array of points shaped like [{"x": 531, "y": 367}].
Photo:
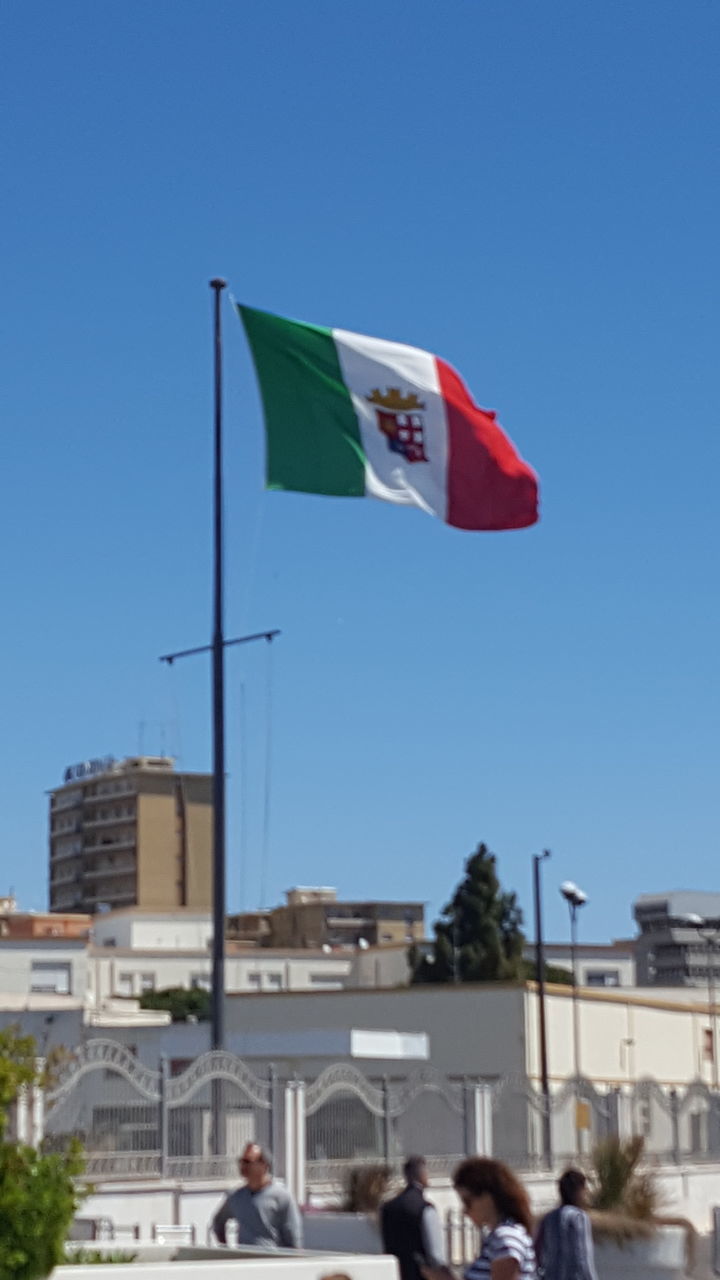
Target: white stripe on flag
[{"x": 370, "y": 363}]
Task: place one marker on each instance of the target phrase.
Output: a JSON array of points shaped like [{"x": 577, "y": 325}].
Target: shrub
[
  {"x": 366, "y": 1188},
  {"x": 92, "y": 1257},
  {"x": 621, "y": 1185},
  {"x": 626, "y": 1199},
  {"x": 38, "y": 1201},
  {"x": 38, "y": 1195}
]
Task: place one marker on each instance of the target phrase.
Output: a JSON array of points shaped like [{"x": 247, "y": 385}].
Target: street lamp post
[
  {"x": 540, "y": 978},
  {"x": 575, "y": 899}
]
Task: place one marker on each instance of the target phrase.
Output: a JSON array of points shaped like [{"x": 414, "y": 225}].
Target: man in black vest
[{"x": 410, "y": 1224}]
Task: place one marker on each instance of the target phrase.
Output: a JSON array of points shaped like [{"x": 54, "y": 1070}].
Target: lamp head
[{"x": 572, "y": 893}]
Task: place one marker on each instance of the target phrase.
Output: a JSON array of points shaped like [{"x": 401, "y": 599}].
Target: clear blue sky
[{"x": 530, "y": 190}]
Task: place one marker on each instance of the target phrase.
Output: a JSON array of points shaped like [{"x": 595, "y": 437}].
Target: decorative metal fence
[
  {"x": 112, "y": 1102},
  {"x": 135, "y": 1121},
  {"x": 351, "y": 1119},
  {"x": 677, "y": 1126},
  {"x": 217, "y": 1084}
]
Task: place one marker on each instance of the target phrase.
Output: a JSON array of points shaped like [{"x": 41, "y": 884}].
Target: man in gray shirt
[{"x": 265, "y": 1212}]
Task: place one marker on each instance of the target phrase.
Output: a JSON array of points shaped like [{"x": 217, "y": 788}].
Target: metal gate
[
  {"x": 216, "y": 1088},
  {"x": 346, "y": 1119},
  {"x": 112, "y": 1103},
  {"x": 352, "y": 1120},
  {"x": 133, "y": 1121},
  {"x": 429, "y": 1116}
]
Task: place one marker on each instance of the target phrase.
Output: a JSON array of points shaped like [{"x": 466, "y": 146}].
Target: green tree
[
  {"x": 38, "y": 1191},
  {"x": 479, "y": 936},
  {"x": 180, "y": 1003},
  {"x": 18, "y": 1069}
]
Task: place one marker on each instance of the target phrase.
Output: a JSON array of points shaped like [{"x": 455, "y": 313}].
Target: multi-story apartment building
[
  {"x": 130, "y": 833},
  {"x": 315, "y": 918}
]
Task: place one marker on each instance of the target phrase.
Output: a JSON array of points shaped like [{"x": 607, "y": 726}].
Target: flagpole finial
[{"x": 218, "y": 284}]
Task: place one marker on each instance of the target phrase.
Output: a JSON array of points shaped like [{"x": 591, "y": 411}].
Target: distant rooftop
[
  {"x": 679, "y": 902},
  {"x": 102, "y": 766},
  {"x": 310, "y": 893}
]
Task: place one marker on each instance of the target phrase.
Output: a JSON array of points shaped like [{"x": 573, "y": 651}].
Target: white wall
[
  {"x": 623, "y": 1036},
  {"x": 302, "y": 1267},
  {"x": 128, "y": 971},
  {"x": 380, "y": 967},
  {"x": 595, "y": 960},
  {"x": 166, "y": 931},
  {"x": 689, "y": 1191},
  {"x": 17, "y": 958},
  {"x": 476, "y": 1031},
  {"x": 472, "y": 1030},
  {"x": 120, "y": 972}
]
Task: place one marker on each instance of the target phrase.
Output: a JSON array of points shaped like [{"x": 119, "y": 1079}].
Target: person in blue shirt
[{"x": 564, "y": 1244}]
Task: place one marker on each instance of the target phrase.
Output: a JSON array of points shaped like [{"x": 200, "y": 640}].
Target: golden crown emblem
[{"x": 393, "y": 400}]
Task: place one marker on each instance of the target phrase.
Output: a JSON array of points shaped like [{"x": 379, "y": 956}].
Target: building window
[
  {"x": 200, "y": 981},
  {"x": 602, "y": 977},
  {"x": 124, "y": 985},
  {"x": 51, "y": 976},
  {"x": 274, "y": 981},
  {"x": 255, "y": 980},
  {"x": 147, "y": 981}
]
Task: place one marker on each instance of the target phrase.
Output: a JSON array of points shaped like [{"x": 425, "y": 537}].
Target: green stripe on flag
[{"x": 313, "y": 438}]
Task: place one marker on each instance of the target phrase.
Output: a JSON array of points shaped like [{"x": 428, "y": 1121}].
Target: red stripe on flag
[{"x": 489, "y": 485}]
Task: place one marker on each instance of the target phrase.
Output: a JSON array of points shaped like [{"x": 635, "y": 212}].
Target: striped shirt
[{"x": 508, "y": 1240}]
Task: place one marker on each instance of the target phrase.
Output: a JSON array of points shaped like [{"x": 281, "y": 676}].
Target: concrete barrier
[
  {"x": 348, "y": 1232},
  {"x": 269, "y": 1267},
  {"x": 662, "y": 1257}
]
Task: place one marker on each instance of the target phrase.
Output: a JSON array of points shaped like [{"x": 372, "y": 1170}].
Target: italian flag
[{"x": 360, "y": 417}]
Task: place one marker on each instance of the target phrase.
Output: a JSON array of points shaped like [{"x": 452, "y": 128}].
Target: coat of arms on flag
[{"x": 400, "y": 421}]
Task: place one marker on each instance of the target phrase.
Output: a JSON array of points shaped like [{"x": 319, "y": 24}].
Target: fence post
[
  {"x": 163, "y": 1116},
  {"x": 482, "y": 1118},
  {"x": 20, "y": 1117},
  {"x": 713, "y": 1143},
  {"x": 675, "y": 1122},
  {"x": 467, "y": 1140},
  {"x": 37, "y": 1104},
  {"x": 300, "y": 1144},
  {"x": 272, "y": 1127},
  {"x": 37, "y": 1116},
  {"x": 289, "y": 1130},
  {"x": 615, "y": 1113},
  {"x": 387, "y": 1122}
]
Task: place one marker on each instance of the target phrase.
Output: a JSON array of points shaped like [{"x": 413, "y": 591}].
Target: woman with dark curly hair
[{"x": 498, "y": 1204}]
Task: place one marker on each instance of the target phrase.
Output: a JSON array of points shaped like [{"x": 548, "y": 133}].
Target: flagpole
[
  {"x": 217, "y": 650},
  {"x": 218, "y": 686}
]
